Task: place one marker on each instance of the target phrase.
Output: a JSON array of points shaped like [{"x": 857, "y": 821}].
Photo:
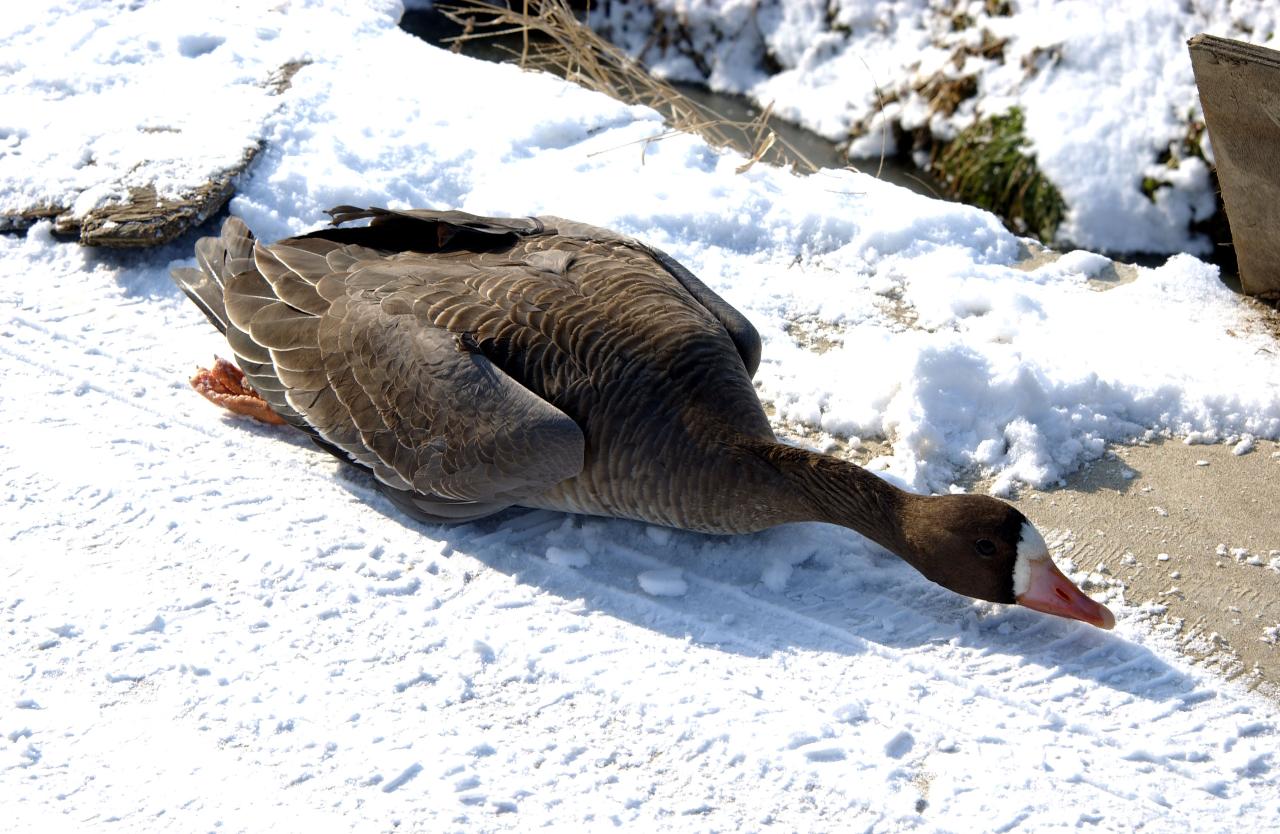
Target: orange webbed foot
[{"x": 225, "y": 386}]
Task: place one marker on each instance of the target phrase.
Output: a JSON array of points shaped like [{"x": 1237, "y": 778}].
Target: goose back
[{"x": 471, "y": 363}]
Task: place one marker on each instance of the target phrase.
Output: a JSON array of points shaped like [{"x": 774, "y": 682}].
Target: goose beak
[{"x": 1048, "y": 590}]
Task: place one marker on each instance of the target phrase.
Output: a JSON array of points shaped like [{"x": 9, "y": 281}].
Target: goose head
[{"x": 984, "y": 548}]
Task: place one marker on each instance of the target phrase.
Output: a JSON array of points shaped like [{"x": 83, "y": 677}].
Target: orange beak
[{"x": 1051, "y": 592}]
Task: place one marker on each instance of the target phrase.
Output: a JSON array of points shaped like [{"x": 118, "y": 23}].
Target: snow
[
  {"x": 1106, "y": 88},
  {"x": 775, "y": 576},
  {"x": 664, "y": 582},
  {"x": 568, "y": 557},
  {"x": 208, "y": 623},
  {"x": 102, "y": 118}
]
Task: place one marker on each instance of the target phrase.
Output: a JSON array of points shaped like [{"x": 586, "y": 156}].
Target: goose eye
[{"x": 985, "y": 547}]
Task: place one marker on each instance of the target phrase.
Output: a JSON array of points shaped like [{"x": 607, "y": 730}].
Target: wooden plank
[{"x": 1239, "y": 86}]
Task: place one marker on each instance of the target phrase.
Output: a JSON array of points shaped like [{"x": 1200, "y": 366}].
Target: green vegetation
[{"x": 988, "y": 165}]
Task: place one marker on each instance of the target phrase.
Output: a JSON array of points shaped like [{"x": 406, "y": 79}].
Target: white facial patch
[{"x": 1031, "y": 548}]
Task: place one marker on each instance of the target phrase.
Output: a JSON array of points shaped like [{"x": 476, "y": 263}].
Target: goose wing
[
  {"x": 333, "y": 338},
  {"x": 744, "y": 335}
]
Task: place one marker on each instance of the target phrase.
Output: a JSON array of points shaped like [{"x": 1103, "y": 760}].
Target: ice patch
[
  {"x": 1085, "y": 263},
  {"x": 156, "y": 625},
  {"x": 665, "y": 582},
  {"x": 899, "y": 745},
  {"x": 569, "y": 557},
  {"x": 193, "y": 46},
  {"x": 775, "y": 576},
  {"x": 660, "y": 536},
  {"x": 405, "y": 775}
]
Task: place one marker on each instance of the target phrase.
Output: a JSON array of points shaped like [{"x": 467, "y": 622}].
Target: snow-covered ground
[
  {"x": 88, "y": 107},
  {"x": 1106, "y": 87},
  {"x": 209, "y": 624}
]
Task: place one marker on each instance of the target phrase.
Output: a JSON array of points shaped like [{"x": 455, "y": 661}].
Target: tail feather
[
  {"x": 237, "y": 242},
  {"x": 205, "y": 291},
  {"x": 219, "y": 258}
]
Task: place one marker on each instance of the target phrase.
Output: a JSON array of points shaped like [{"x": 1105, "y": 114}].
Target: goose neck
[{"x": 820, "y": 487}]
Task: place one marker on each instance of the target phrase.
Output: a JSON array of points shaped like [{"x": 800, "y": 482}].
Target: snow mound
[{"x": 1106, "y": 88}]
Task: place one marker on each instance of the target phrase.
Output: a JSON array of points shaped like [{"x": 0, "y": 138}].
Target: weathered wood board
[{"x": 1239, "y": 87}]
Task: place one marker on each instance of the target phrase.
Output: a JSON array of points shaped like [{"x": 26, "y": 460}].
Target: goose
[{"x": 475, "y": 363}]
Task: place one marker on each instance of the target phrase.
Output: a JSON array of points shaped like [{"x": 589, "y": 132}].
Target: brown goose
[{"x": 472, "y": 363}]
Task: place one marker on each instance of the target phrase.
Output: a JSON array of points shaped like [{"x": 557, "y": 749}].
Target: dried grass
[{"x": 553, "y": 39}]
